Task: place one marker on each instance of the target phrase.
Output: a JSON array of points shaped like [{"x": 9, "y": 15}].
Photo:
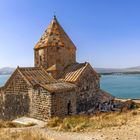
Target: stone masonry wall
[
  {"x": 45, "y": 105},
  {"x": 40, "y": 104},
  {"x": 88, "y": 86},
  {"x": 1, "y": 103},
  {"x": 16, "y": 105},
  {"x": 55, "y": 55},
  {"x": 15, "y": 99},
  {"x": 63, "y": 103}
]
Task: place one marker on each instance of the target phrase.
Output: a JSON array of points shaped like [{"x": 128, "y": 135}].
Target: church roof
[
  {"x": 36, "y": 75},
  {"x": 59, "y": 87},
  {"x": 73, "y": 72},
  {"x": 55, "y": 36}
]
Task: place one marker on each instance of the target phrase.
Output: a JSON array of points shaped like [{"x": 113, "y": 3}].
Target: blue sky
[{"x": 106, "y": 32}]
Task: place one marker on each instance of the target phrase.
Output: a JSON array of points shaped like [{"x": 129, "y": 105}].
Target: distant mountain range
[
  {"x": 133, "y": 70},
  {"x": 113, "y": 70},
  {"x": 6, "y": 71}
]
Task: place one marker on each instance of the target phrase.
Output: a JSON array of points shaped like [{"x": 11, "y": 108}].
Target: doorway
[{"x": 69, "y": 108}]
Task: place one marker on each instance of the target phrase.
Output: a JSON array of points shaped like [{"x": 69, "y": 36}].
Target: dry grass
[
  {"x": 90, "y": 123},
  {"x": 10, "y": 124},
  {"x": 22, "y": 135},
  {"x": 7, "y": 132}
]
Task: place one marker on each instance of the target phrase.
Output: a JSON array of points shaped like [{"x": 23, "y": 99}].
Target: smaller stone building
[{"x": 56, "y": 86}]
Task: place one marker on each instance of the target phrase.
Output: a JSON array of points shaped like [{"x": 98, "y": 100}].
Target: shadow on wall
[{"x": 15, "y": 105}]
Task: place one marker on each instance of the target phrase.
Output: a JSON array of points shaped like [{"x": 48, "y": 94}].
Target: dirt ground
[{"x": 130, "y": 131}]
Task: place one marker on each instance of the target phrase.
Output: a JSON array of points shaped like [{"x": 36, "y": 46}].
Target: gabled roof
[
  {"x": 55, "y": 36},
  {"x": 73, "y": 72},
  {"x": 39, "y": 76},
  {"x": 36, "y": 75}
]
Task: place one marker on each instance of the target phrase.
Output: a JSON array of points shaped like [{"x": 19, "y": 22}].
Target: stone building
[{"x": 56, "y": 86}]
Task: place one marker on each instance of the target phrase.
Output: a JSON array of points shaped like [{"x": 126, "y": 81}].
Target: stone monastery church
[{"x": 56, "y": 86}]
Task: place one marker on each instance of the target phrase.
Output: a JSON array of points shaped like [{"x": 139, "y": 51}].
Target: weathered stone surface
[
  {"x": 14, "y": 98},
  {"x": 63, "y": 103},
  {"x": 88, "y": 86},
  {"x": 41, "y": 104}
]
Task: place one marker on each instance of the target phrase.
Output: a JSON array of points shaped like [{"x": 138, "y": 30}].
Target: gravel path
[{"x": 73, "y": 136}]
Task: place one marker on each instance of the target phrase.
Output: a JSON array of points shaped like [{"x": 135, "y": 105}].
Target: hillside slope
[
  {"x": 6, "y": 70},
  {"x": 118, "y": 70}
]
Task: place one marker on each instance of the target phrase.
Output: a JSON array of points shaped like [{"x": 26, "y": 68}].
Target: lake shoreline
[
  {"x": 125, "y": 86},
  {"x": 119, "y": 73}
]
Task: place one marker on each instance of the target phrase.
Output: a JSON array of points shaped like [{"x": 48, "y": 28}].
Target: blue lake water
[
  {"x": 122, "y": 86},
  {"x": 3, "y": 79}
]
